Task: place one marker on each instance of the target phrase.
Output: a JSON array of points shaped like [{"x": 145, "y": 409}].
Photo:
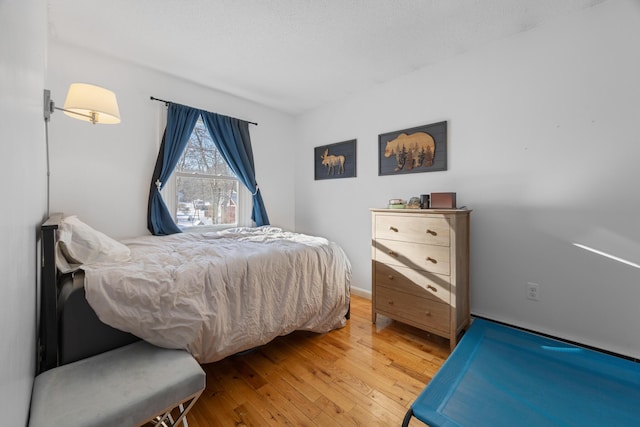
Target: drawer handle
[
  {"x": 393, "y": 253},
  {"x": 433, "y": 260},
  {"x": 432, "y": 288},
  {"x": 433, "y": 233},
  {"x": 390, "y": 302},
  {"x": 392, "y": 228},
  {"x": 427, "y": 313},
  {"x": 390, "y": 277}
]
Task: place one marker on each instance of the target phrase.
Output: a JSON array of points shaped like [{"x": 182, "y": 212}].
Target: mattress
[{"x": 215, "y": 294}]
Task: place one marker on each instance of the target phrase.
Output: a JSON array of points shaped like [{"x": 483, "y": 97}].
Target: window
[{"x": 207, "y": 192}]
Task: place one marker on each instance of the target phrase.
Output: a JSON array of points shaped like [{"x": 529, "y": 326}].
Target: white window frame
[
  {"x": 170, "y": 197},
  {"x": 243, "y": 210}
]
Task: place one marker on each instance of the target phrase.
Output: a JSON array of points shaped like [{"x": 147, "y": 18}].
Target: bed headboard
[
  {"x": 48, "y": 337},
  {"x": 69, "y": 328}
]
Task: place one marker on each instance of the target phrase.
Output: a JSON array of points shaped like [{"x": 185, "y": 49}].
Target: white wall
[
  {"x": 102, "y": 172},
  {"x": 543, "y": 146},
  {"x": 22, "y": 150}
]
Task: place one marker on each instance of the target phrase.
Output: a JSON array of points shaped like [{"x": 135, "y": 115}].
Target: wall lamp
[{"x": 86, "y": 102}]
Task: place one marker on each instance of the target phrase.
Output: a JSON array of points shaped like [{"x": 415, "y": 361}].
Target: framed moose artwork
[{"x": 335, "y": 160}]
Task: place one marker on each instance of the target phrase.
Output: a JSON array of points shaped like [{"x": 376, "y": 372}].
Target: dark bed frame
[{"x": 69, "y": 328}]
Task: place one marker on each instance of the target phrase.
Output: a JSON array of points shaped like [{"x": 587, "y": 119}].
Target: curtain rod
[{"x": 153, "y": 98}]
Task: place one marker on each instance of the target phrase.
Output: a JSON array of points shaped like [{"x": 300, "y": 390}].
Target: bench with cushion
[{"x": 129, "y": 386}]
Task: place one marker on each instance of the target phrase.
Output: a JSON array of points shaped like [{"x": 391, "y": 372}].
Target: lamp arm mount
[
  {"x": 50, "y": 107},
  {"x": 93, "y": 116}
]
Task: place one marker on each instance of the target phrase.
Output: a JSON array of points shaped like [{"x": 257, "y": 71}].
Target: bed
[
  {"x": 214, "y": 294},
  {"x": 502, "y": 376}
]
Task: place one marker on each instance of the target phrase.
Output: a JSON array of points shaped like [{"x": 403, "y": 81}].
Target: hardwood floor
[{"x": 360, "y": 375}]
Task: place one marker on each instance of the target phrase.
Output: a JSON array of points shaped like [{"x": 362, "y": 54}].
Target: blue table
[{"x": 503, "y": 376}]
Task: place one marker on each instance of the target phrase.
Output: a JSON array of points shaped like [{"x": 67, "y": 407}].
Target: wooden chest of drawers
[{"x": 420, "y": 268}]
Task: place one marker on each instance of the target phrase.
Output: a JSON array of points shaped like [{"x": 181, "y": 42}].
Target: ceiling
[{"x": 293, "y": 55}]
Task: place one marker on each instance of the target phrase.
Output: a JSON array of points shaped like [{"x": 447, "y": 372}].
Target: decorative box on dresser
[{"x": 420, "y": 268}]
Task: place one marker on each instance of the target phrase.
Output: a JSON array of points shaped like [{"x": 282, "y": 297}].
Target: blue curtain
[
  {"x": 231, "y": 137},
  {"x": 180, "y": 123}
]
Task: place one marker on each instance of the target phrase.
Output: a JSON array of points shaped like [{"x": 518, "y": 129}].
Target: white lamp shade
[{"x": 92, "y": 101}]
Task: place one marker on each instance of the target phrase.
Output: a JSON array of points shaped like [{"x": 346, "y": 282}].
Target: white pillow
[{"x": 81, "y": 244}]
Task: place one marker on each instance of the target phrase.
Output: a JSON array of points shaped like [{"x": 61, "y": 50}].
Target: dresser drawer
[
  {"x": 418, "y": 256},
  {"x": 415, "y": 282},
  {"x": 419, "y": 312},
  {"x": 411, "y": 228}
]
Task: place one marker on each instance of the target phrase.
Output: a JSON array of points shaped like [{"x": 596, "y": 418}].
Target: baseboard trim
[{"x": 362, "y": 293}]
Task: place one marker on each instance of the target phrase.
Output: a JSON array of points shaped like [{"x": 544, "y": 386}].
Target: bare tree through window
[{"x": 206, "y": 188}]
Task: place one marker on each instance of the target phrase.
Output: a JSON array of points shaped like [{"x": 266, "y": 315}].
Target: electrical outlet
[{"x": 533, "y": 291}]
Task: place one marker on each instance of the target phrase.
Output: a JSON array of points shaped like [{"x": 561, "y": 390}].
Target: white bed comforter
[{"x": 219, "y": 293}]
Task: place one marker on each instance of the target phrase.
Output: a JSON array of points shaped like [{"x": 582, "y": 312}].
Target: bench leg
[
  {"x": 185, "y": 423},
  {"x": 407, "y": 418},
  {"x": 167, "y": 420}
]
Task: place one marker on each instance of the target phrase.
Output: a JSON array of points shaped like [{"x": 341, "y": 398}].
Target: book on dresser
[{"x": 420, "y": 268}]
